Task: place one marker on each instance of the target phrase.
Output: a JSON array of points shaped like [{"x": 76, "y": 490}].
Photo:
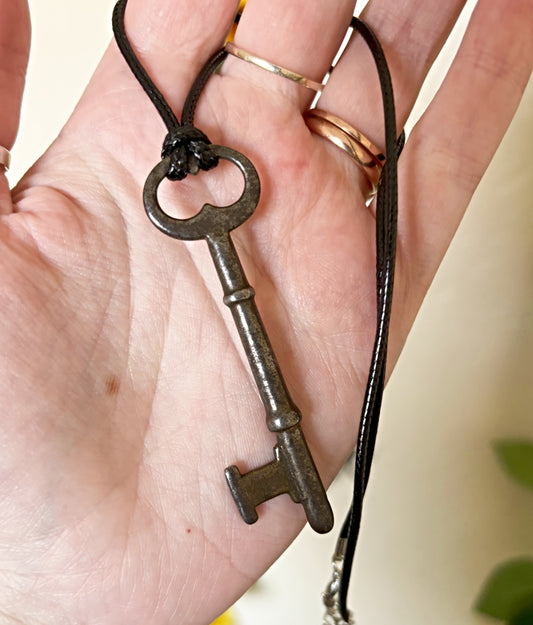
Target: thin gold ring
[
  {"x": 232, "y": 49},
  {"x": 360, "y": 149},
  {"x": 5, "y": 157}
]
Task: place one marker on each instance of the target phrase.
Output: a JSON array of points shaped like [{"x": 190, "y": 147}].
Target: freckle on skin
[{"x": 112, "y": 385}]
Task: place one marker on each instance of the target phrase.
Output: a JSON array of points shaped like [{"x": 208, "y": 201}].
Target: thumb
[
  {"x": 15, "y": 33},
  {"x": 14, "y": 51}
]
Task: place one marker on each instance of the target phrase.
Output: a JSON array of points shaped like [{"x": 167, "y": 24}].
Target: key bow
[{"x": 211, "y": 220}]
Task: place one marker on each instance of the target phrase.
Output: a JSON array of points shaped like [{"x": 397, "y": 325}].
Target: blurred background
[{"x": 440, "y": 513}]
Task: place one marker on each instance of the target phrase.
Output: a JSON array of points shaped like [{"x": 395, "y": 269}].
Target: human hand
[{"x": 120, "y": 333}]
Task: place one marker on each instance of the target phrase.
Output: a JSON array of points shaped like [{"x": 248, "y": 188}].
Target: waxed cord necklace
[{"x": 186, "y": 150}]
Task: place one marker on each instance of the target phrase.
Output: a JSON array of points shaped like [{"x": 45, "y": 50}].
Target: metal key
[{"x": 292, "y": 471}]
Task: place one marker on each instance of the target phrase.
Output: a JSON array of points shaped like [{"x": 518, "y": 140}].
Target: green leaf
[
  {"x": 517, "y": 458},
  {"x": 508, "y": 592},
  {"x": 524, "y": 618}
]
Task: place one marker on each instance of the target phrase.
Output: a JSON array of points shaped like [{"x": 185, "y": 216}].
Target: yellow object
[
  {"x": 226, "y": 618},
  {"x": 234, "y": 27}
]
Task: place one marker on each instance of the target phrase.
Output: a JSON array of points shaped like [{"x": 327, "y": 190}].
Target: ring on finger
[
  {"x": 244, "y": 55},
  {"x": 367, "y": 156}
]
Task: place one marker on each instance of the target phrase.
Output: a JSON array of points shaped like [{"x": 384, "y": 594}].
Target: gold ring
[
  {"x": 231, "y": 48},
  {"x": 362, "y": 150},
  {"x": 5, "y": 157},
  {"x": 375, "y": 152}
]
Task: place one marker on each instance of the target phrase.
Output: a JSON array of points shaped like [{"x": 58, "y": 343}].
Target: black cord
[
  {"x": 171, "y": 121},
  {"x": 386, "y": 228},
  {"x": 188, "y": 148}
]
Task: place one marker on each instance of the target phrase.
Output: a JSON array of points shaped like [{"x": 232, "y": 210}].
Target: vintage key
[{"x": 292, "y": 471}]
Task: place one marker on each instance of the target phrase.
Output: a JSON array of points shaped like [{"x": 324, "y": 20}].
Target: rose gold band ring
[
  {"x": 5, "y": 157},
  {"x": 362, "y": 150},
  {"x": 232, "y": 49}
]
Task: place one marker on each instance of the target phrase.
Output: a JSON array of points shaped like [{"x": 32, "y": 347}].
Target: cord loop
[{"x": 189, "y": 151}]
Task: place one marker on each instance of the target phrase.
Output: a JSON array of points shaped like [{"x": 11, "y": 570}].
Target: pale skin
[{"x": 124, "y": 388}]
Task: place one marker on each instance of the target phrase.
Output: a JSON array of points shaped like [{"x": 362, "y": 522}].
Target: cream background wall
[{"x": 439, "y": 511}]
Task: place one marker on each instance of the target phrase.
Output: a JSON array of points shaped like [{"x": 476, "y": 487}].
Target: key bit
[{"x": 292, "y": 471}]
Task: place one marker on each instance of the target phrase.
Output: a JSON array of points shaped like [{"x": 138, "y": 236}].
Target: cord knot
[{"x": 188, "y": 149}]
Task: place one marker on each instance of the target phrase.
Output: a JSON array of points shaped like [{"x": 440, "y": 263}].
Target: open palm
[{"x": 125, "y": 389}]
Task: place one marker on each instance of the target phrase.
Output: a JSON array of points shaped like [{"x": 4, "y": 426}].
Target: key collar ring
[{"x": 210, "y": 218}]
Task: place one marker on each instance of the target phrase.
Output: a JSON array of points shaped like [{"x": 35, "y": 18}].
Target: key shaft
[
  {"x": 293, "y": 471},
  {"x": 281, "y": 411}
]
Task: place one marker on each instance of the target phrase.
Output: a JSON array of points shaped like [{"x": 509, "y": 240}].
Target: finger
[
  {"x": 411, "y": 34},
  {"x": 172, "y": 40},
  {"x": 454, "y": 141},
  {"x": 14, "y": 52},
  {"x": 301, "y": 36},
  {"x": 175, "y": 39}
]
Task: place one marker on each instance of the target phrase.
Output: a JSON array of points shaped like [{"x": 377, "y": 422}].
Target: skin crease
[{"x": 126, "y": 387}]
